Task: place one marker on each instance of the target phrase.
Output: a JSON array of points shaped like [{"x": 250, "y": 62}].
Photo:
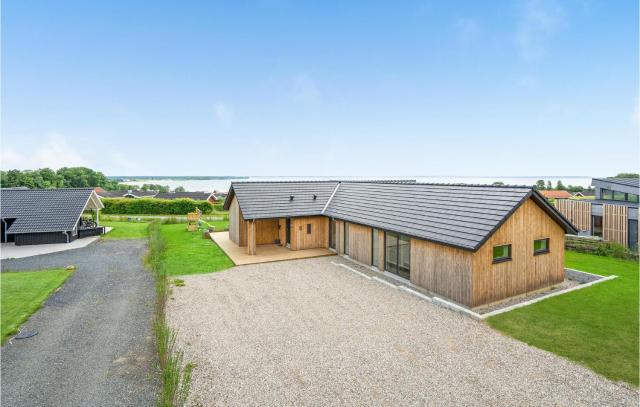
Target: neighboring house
[
  {"x": 196, "y": 196},
  {"x": 474, "y": 244},
  {"x": 219, "y": 195},
  {"x": 126, "y": 194},
  {"x": 553, "y": 194},
  {"x": 612, "y": 215},
  {"x": 38, "y": 216},
  {"x": 586, "y": 193}
]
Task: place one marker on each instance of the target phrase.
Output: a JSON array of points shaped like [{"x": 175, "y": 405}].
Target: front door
[{"x": 287, "y": 229}]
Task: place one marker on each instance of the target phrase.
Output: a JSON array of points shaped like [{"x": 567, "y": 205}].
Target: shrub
[
  {"x": 152, "y": 206},
  {"x": 599, "y": 247}
]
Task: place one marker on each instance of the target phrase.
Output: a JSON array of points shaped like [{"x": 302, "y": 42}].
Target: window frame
[
  {"x": 502, "y": 259},
  {"x": 308, "y": 228},
  {"x": 543, "y": 251}
]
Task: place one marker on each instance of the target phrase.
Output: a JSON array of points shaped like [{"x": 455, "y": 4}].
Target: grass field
[
  {"x": 23, "y": 294},
  {"x": 126, "y": 230},
  {"x": 220, "y": 225},
  {"x": 596, "y": 326},
  {"x": 188, "y": 253}
]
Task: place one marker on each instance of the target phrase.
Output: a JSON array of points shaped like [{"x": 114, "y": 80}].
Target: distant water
[{"x": 223, "y": 184}]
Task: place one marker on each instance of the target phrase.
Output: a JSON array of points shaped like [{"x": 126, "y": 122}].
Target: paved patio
[
  {"x": 11, "y": 251},
  {"x": 265, "y": 253}
]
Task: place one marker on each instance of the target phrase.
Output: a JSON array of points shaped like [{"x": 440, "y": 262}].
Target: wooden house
[{"x": 473, "y": 244}]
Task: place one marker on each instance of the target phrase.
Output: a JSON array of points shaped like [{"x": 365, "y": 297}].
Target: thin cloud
[{"x": 538, "y": 21}]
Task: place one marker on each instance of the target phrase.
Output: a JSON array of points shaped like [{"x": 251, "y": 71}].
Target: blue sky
[{"x": 531, "y": 87}]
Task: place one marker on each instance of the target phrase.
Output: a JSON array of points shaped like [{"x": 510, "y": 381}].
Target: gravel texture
[
  {"x": 307, "y": 332},
  {"x": 95, "y": 345}
]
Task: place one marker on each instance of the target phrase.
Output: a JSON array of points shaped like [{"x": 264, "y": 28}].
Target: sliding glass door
[{"x": 398, "y": 254}]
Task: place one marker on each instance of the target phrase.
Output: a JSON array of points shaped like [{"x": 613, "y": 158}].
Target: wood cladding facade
[
  {"x": 318, "y": 236},
  {"x": 525, "y": 271},
  {"x": 615, "y": 221},
  {"x": 442, "y": 270},
  {"x": 360, "y": 243},
  {"x": 237, "y": 225},
  {"x": 577, "y": 212}
]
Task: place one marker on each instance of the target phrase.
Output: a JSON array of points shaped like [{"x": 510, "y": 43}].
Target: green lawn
[
  {"x": 188, "y": 253},
  {"x": 220, "y": 225},
  {"x": 126, "y": 230},
  {"x": 23, "y": 294},
  {"x": 596, "y": 326}
]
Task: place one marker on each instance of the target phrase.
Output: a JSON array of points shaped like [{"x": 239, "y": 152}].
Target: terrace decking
[{"x": 265, "y": 253}]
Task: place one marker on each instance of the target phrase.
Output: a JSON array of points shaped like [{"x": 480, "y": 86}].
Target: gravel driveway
[
  {"x": 307, "y": 332},
  {"x": 95, "y": 344}
]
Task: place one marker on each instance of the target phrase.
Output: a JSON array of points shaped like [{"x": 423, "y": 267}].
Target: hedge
[
  {"x": 599, "y": 247},
  {"x": 152, "y": 206}
]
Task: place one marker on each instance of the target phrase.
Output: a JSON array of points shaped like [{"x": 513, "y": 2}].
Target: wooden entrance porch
[{"x": 263, "y": 253}]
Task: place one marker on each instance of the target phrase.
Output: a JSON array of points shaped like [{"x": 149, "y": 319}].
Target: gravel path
[
  {"x": 307, "y": 332},
  {"x": 95, "y": 344}
]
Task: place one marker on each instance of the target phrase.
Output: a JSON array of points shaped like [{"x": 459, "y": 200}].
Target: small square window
[
  {"x": 501, "y": 253},
  {"x": 541, "y": 246},
  {"x": 308, "y": 228}
]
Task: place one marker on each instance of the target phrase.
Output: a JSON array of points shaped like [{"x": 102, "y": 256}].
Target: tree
[
  {"x": 498, "y": 183},
  {"x": 549, "y": 186},
  {"x": 560, "y": 186},
  {"x": 628, "y": 175},
  {"x": 540, "y": 184},
  {"x": 179, "y": 189}
]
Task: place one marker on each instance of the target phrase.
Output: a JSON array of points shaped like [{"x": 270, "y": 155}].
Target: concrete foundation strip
[
  {"x": 385, "y": 282},
  {"x": 350, "y": 269}
]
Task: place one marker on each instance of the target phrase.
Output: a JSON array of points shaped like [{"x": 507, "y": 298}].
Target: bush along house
[
  {"x": 473, "y": 244},
  {"x": 40, "y": 216},
  {"x": 611, "y": 216}
]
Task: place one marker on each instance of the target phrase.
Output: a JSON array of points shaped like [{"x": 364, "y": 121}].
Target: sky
[{"x": 362, "y": 88}]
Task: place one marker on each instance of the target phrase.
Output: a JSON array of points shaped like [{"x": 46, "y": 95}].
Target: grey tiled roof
[
  {"x": 199, "y": 196},
  {"x": 43, "y": 210},
  {"x": 263, "y": 200},
  {"x": 123, "y": 193},
  {"x": 630, "y": 182},
  {"x": 459, "y": 215}
]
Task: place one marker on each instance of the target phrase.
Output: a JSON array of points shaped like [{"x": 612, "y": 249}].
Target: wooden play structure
[{"x": 193, "y": 220}]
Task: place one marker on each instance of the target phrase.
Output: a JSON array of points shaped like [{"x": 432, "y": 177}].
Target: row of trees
[{"x": 70, "y": 177}]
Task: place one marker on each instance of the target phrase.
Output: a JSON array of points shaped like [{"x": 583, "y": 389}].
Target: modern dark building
[
  {"x": 40, "y": 216},
  {"x": 612, "y": 215}
]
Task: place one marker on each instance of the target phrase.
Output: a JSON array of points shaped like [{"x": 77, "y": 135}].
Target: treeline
[
  {"x": 69, "y": 177},
  {"x": 541, "y": 185}
]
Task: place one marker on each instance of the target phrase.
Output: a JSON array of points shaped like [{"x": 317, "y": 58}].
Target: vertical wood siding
[
  {"x": 577, "y": 212},
  {"x": 525, "y": 271},
  {"x": 340, "y": 236},
  {"x": 251, "y": 241},
  {"x": 360, "y": 243},
  {"x": 442, "y": 270},
  {"x": 615, "y": 221},
  {"x": 266, "y": 231},
  {"x": 319, "y": 236}
]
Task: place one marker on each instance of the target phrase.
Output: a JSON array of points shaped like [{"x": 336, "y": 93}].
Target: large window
[
  {"x": 375, "y": 247},
  {"x": 618, "y": 196},
  {"x": 632, "y": 197},
  {"x": 501, "y": 253},
  {"x": 398, "y": 254},
  {"x": 606, "y": 194},
  {"x": 541, "y": 246}
]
